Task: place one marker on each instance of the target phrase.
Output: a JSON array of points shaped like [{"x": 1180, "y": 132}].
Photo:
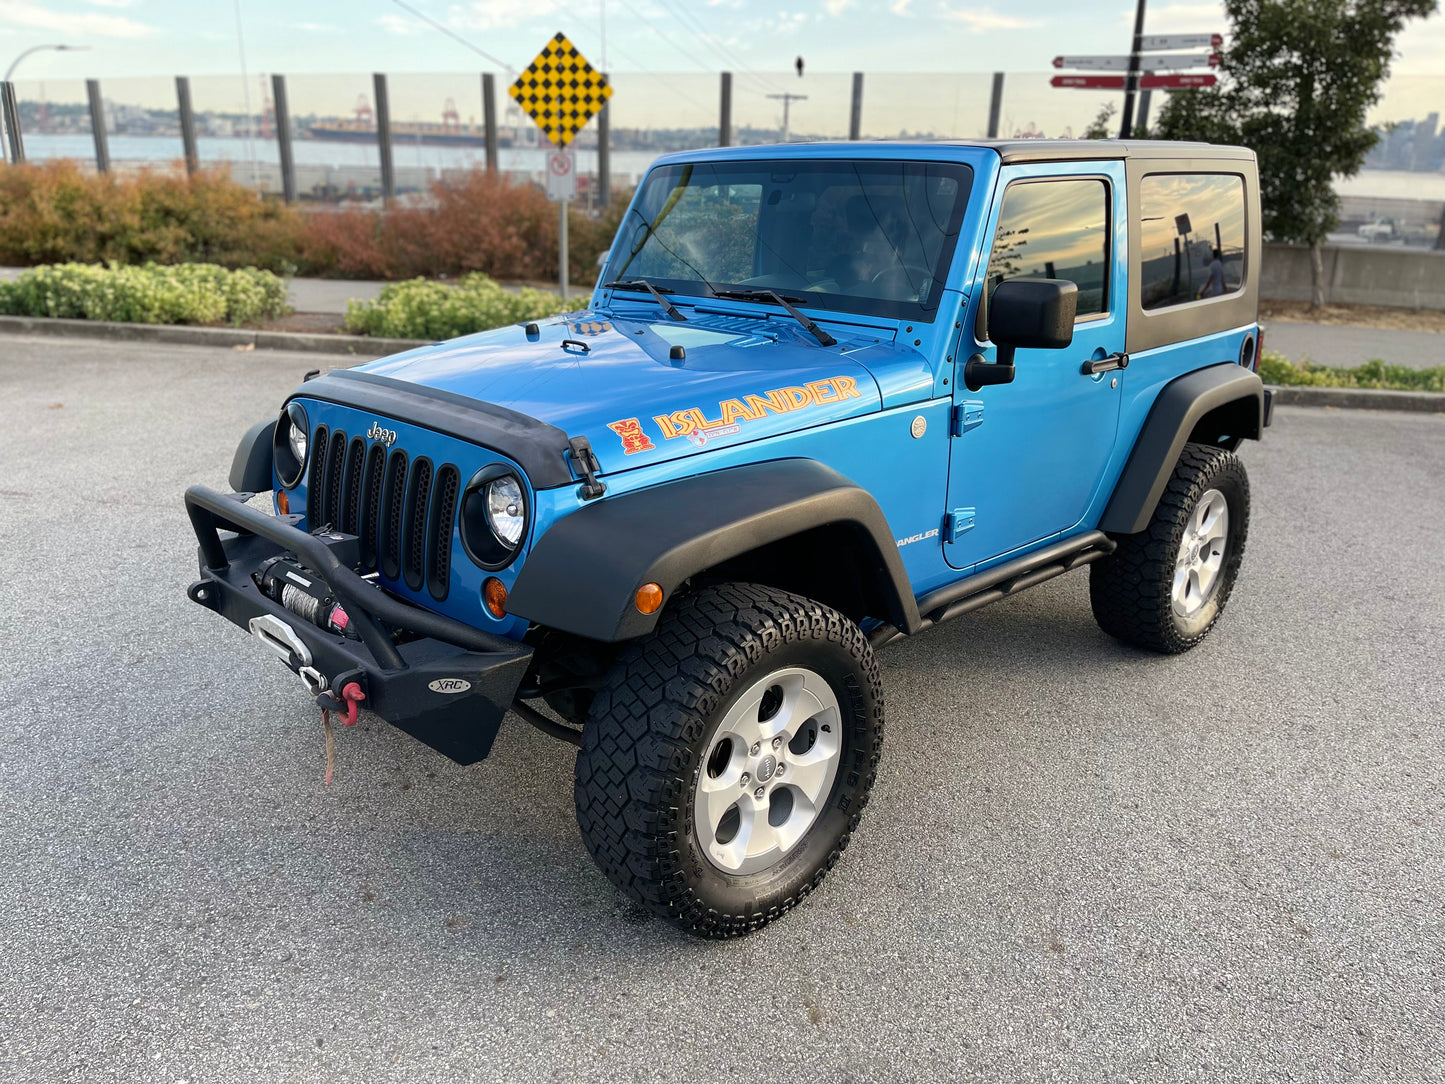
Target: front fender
[{"x": 583, "y": 574}]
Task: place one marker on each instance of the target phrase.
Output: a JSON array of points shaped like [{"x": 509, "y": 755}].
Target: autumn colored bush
[
  {"x": 56, "y": 213},
  {"x": 479, "y": 222}
]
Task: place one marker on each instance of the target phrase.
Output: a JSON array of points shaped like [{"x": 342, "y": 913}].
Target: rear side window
[
  {"x": 1055, "y": 230},
  {"x": 1191, "y": 237}
]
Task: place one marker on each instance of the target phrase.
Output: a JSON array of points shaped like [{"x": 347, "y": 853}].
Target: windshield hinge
[
  {"x": 957, "y": 523},
  {"x": 585, "y": 466},
  {"x": 967, "y": 415}
]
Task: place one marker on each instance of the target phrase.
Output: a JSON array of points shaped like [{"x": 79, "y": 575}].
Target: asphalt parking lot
[{"x": 1081, "y": 862}]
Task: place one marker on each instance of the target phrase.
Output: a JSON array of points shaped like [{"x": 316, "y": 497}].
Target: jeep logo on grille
[{"x": 386, "y": 436}]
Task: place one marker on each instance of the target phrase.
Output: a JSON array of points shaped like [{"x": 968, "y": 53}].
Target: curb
[
  {"x": 1419, "y": 402},
  {"x": 352, "y": 345}
]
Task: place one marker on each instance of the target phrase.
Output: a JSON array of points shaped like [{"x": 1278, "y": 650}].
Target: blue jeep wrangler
[{"x": 824, "y": 397}]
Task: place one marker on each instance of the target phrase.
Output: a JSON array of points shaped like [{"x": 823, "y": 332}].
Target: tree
[
  {"x": 1099, "y": 128},
  {"x": 1297, "y": 80}
]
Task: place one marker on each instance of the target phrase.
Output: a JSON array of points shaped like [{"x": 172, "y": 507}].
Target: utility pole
[
  {"x": 1131, "y": 81},
  {"x": 789, "y": 99}
]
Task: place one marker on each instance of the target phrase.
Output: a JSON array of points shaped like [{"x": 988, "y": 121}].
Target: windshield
[{"x": 869, "y": 237}]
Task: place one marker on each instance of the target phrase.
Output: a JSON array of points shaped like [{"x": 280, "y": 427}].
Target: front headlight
[
  {"x": 494, "y": 516},
  {"x": 505, "y": 509},
  {"x": 289, "y": 448}
]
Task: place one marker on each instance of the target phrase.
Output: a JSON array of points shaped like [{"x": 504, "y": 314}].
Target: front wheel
[
  {"x": 1164, "y": 588},
  {"x": 726, "y": 760}
]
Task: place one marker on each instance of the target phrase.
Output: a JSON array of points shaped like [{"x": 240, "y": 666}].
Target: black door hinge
[{"x": 585, "y": 466}]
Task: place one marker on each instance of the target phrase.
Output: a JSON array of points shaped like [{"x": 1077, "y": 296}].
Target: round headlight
[
  {"x": 296, "y": 437},
  {"x": 289, "y": 448},
  {"x": 506, "y": 513},
  {"x": 494, "y": 516}
]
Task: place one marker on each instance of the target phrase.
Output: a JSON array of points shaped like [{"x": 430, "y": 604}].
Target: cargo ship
[{"x": 449, "y": 132}]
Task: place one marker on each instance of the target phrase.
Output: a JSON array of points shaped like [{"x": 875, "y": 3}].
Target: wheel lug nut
[
  {"x": 778, "y": 741},
  {"x": 760, "y": 792},
  {"x": 757, "y": 746},
  {"x": 780, "y": 769},
  {"x": 745, "y": 779}
]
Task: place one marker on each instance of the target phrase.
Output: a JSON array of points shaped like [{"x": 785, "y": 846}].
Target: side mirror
[{"x": 1035, "y": 314}]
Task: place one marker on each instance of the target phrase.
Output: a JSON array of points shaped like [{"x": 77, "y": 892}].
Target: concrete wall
[{"x": 1406, "y": 278}]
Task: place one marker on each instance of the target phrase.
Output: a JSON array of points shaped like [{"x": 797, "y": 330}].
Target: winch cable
[{"x": 351, "y": 695}]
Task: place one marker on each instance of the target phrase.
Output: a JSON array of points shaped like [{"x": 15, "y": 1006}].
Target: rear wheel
[
  {"x": 727, "y": 758},
  {"x": 1164, "y": 588}
]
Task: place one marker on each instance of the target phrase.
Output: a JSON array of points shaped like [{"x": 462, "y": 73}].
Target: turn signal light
[
  {"x": 649, "y": 598},
  {"x": 283, "y": 503},
  {"x": 494, "y": 592}
]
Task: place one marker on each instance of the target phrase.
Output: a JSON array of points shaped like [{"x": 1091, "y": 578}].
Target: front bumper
[{"x": 445, "y": 683}]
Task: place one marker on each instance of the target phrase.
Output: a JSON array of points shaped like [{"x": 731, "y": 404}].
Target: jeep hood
[{"x": 615, "y": 381}]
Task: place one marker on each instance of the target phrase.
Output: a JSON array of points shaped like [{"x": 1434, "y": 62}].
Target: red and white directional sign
[
  {"x": 1175, "y": 82},
  {"x": 1153, "y": 43},
  {"x": 1089, "y": 82},
  {"x": 1173, "y": 61}
]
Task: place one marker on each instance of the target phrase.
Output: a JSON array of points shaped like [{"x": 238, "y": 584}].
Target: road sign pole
[
  {"x": 562, "y": 255},
  {"x": 1131, "y": 87}
]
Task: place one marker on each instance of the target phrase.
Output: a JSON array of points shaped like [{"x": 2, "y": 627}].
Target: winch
[{"x": 304, "y": 594}]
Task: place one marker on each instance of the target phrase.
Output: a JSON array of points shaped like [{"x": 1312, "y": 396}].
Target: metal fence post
[
  {"x": 604, "y": 156},
  {"x": 10, "y": 114},
  {"x": 188, "y": 124},
  {"x": 855, "y": 119},
  {"x": 489, "y": 118},
  {"x": 1143, "y": 120},
  {"x": 383, "y": 136},
  {"x": 725, "y": 119},
  {"x": 97, "y": 125},
  {"x": 995, "y": 104},
  {"x": 283, "y": 138}
]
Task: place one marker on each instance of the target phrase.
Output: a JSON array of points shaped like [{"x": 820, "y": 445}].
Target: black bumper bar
[{"x": 449, "y": 686}]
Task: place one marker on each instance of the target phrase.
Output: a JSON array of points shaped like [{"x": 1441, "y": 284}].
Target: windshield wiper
[
  {"x": 778, "y": 299},
  {"x": 642, "y": 284}
]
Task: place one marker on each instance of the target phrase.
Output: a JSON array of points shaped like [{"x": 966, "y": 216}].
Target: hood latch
[{"x": 585, "y": 466}]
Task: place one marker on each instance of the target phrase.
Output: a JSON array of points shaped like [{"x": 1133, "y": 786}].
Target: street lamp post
[{"x": 40, "y": 49}]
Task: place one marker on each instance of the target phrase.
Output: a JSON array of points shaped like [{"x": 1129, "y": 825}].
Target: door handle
[{"x": 1104, "y": 365}]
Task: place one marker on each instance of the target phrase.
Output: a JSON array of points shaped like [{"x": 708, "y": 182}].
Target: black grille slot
[
  {"x": 443, "y": 516},
  {"x": 335, "y": 462},
  {"x": 418, "y": 493},
  {"x": 314, "y": 483},
  {"x": 351, "y": 491},
  {"x": 371, "y": 504},
  {"x": 393, "y": 500}
]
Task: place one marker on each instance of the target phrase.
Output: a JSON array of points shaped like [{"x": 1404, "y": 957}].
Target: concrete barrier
[{"x": 1403, "y": 277}]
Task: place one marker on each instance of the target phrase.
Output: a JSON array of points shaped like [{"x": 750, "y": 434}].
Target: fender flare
[
  {"x": 1176, "y": 411},
  {"x": 582, "y": 575},
  {"x": 251, "y": 466}
]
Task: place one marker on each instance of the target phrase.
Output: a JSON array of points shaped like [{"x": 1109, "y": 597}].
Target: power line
[
  {"x": 453, "y": 35},
  {"x": 722, "y": 50},
  {"x": 665, "y": 37}
]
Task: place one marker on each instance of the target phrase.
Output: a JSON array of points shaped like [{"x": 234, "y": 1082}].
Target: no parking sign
[{"x": 561, "y": 175}]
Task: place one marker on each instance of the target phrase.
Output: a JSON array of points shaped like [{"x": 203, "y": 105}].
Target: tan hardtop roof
[{"x": 1068, "y": 150}]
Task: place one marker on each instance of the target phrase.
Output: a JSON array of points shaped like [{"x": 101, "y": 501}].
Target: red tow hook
[{"x": 351, "y": 695}]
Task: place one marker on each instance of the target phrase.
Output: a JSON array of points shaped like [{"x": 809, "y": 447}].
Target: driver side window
[{"x": 1055, "y": 230}]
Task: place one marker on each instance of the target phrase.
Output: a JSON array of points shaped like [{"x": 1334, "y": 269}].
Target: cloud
[
  {"x": 112, "y": 3},
  {"x": 835, "y": 7},
  {"x": 980, "y": 19},
  {"x": 899, "y": 7},
  {"x": 400, "y": 25},
  {"x": 23, "y": 13},
  {"x": 1183, "y": 18},
  {"x": 494, "y": 14}
]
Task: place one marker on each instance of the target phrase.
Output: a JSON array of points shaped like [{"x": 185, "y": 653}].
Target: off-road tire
[
  {"x": 1130, "y": 590},
  {"x": 644, "y": 745}
]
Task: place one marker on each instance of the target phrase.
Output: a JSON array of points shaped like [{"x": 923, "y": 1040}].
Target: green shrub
[
  {"x": 194, "y": 293},
  {"x": 433, "y": 310},
  {"x": 1278, "y": 369}
]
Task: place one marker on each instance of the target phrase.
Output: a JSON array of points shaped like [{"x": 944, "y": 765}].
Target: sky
[{"x": 665, "y": 52}]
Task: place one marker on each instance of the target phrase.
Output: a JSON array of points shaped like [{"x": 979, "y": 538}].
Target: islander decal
[{"x": 693, "y": 424}]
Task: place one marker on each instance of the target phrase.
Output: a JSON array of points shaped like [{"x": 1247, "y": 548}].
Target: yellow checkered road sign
[{"x": 561, "y": 91}]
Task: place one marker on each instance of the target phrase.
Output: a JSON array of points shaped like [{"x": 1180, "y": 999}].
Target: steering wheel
[{"x": 909, "y": 274}]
